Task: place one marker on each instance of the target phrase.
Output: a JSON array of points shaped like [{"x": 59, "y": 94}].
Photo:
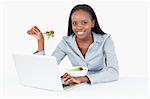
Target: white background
[{"x": 127, "y": 22}]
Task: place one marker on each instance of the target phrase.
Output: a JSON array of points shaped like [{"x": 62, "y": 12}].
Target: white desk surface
[{"x": 125, "y": 87}]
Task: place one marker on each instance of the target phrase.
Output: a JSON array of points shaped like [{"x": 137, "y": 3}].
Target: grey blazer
[{"x": 100, "y": 59}]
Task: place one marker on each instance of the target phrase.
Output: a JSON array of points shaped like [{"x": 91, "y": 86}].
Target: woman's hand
[
  {"x": 68, "y": 79},
  {"x": 35, "y": 32}
]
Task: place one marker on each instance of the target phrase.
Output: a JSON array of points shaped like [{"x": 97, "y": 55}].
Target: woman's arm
[
  {"x": 36, "y": 33},
  {"x": 41, "y": 44},
  {"x": 110, "y": 72},
  {"x": 59, "y": 52}
]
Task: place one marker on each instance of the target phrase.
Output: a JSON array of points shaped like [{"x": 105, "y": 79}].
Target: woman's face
[{"x": 82, "y": 23}]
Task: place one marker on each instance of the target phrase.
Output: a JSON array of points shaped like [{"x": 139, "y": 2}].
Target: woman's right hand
[{"x": 35, "y": 32}]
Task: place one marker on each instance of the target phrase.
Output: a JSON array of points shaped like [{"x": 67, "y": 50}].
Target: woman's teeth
[{"x": 80, "y": 33}]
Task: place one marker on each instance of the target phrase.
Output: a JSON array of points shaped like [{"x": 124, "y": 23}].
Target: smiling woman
[{"x": 86, "y": 45}]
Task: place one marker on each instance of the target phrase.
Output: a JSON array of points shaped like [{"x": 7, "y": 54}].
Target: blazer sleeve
[
  {"x": 39, "y": 53},
  {"x": 110, "y": 71},
  {"x": 59, "y": 52}
]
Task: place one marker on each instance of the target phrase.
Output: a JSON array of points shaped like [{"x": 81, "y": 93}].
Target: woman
[{"x": 86, "y": 45}]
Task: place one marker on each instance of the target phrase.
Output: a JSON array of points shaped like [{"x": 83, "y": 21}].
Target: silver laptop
[{"x": 38, "y": 71}]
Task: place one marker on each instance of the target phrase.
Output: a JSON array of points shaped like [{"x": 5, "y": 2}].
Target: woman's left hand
[{"x": 68, "y": 79}]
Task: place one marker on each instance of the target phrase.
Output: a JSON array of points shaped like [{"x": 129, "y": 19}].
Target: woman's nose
[{"x": 79, "y": 27}]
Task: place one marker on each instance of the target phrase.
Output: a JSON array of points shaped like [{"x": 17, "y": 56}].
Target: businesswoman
[{"x": 85, "y": 45}]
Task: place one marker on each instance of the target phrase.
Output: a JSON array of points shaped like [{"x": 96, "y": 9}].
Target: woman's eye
[
  {"x": 74, "y": 23},
  {"x": 84, "y": 22}
]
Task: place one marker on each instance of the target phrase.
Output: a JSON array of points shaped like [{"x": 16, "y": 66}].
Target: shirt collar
[
  {"x": 71, "y": 40},
  {"x": 97, "y": 37}
]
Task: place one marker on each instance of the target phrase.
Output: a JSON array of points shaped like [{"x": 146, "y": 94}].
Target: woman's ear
[{"x": 93, "y": 23}]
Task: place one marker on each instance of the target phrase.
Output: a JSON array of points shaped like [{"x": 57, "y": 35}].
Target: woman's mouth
[{"x": 80, "y": 33}]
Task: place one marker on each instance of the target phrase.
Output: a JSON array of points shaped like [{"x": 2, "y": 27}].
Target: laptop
[{"x": 38, "y": 71}]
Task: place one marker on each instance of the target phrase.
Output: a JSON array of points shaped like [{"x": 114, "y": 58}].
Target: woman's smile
[{"x": 80, "y": 33}]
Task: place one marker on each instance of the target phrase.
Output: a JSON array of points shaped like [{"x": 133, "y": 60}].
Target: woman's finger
[
  {"x": 66, "y": 78},
  {"x": 65, "y": 75},
  {"x": 69, "y": 81},
  {"x": 46, "y": 34},
  {"x": 34, "y": 31},
  {"x": 73, "y": 80},
  {"x": 37, "y": 29},
  {"x": 29, "y": 32}
]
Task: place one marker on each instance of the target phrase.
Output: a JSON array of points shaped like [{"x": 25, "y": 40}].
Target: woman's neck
[{"x": 86, "y": 39}]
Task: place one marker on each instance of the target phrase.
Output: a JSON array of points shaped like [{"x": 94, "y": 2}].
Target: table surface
[{"x": 124, "y": 87}]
